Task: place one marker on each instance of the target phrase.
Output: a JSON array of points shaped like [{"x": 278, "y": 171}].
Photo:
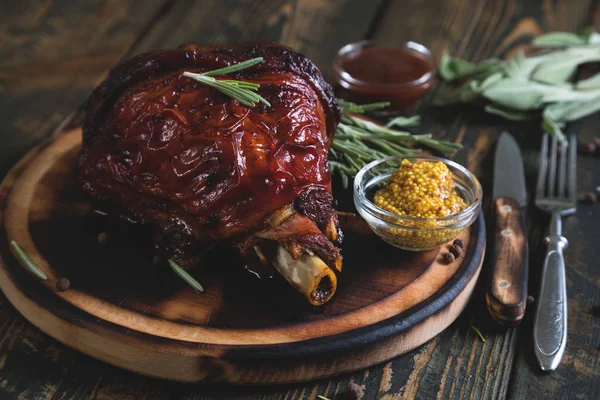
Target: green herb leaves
[
  {"x": 25, "y": 261},
  {"x": 524, "y": 88},
  {"x": 478, "y": 332},
  {"x": 452, "y": 69},
  {"x": 244, "y": 92},
  {"x": 183, "y": 274},
  {"x": 358, "y": 141}
]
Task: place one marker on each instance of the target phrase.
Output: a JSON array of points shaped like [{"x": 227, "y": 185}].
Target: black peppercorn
[
  {"x": 459, "y": 243},
  {"x": 449, "y": 257},
  {"x": 590, "y": 197},
  {"x": 354, "y": 391},
  {"x": 456, "y": 250},
  {"x": 589, "y": 147},
  {"x": 103, "y": 237},
  {"x": 63, "y": 284}
]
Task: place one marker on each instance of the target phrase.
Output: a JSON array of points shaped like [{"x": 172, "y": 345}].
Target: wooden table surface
[{"x": 52, "y": 53}]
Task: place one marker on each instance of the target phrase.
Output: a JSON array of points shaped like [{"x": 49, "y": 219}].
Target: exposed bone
[
  {"x": 280, "y": 215},
  {"x": 294, "y": 249},
  {"x": 261, "y": 256},
  {"x": 331, "y": 230},
  {"x": 308, "y": 274}
]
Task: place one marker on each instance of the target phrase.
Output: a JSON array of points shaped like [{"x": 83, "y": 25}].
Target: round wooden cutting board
[{"x": 123, "y": 309}]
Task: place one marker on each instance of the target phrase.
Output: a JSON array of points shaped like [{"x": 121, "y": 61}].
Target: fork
[{"x": 556, "y": 197}]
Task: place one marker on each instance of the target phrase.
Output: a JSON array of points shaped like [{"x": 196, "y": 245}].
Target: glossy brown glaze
[{"x": 202, "y": 167}]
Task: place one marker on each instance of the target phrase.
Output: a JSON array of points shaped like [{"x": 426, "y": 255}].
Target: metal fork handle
[{"x": 550, "y": 326}]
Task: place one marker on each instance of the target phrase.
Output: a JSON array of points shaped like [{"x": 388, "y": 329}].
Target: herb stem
[
  {"x": 242, "y": 91},
  {"x": 183, "y": 274},
  {"x": 358, "y": 141},
  {"x": 478, "y": 332},
  {"x": 25, "y": 261}
]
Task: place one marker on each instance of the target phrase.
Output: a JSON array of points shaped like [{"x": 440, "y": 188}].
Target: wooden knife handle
[{"x": 506, "y": 294}]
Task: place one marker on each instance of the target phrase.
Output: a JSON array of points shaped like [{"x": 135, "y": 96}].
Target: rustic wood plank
[
  {"x": 53, "y": 53},
  {"x": 315, "y": 28}
]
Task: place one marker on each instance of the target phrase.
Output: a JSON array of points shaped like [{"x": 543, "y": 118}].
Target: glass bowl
[
  {"x": 411, "y": 233},
  {"x": 404, "y": 95}
]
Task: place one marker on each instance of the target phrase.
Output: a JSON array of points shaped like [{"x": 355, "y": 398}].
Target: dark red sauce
[{"x": 398, "y": 75}]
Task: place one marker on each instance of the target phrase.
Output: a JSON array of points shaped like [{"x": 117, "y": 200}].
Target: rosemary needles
[
  {"x": 358, "y": 141},
  {"x": 26, "y": 261},
  {"x": 183, "y": 274},
  {"x": 242, "y": 91}
]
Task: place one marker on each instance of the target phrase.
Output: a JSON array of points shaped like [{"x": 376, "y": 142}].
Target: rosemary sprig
[
  {"x": 244, "y": 92},
  {"x": 183, "y": 274},
  {"x": 26, "y": 261},
  {"x": 358, "y": 142},
  {"x": 478, "y": 332}
]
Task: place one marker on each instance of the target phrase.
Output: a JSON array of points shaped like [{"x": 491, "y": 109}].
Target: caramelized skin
[{"x": 196, "y": 163}]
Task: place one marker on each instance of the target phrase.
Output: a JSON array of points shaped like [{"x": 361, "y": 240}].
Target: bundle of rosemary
[
  {"x": 526, "y": 88},
  {"x": 358, "y": 141}
]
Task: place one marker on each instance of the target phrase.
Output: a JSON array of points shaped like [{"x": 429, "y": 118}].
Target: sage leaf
[
  {"x": 510, "y": 114},
  {"x": 469, "y": 92},
  {"x": 551, "y": 126},
  {"x": 512, "y": 93},
  {"x": 490, "y": 80},
  {"x": 593, "y": 82},
  {"x": 593, "y": 38},
  {"x": 558, "y": 39},
  {"x": 562, "y": 65},
  {"x": 515, "y": 67},
  {"x": 572, "y": 111},
  {"x": 452, "y": 68},
  {"x": 567, "y": 94}
]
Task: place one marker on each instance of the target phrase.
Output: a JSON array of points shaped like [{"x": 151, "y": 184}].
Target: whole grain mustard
[{"x": 422, "y": 190}]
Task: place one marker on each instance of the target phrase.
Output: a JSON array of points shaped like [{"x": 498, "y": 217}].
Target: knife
[{"x": 506, "y": 294}]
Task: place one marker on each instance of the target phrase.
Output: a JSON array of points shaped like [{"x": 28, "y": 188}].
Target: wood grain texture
[
  {"x": 456, "y": 364},
  {"x": 506, "y": 294},
  {"x": 53, "y": 54}
]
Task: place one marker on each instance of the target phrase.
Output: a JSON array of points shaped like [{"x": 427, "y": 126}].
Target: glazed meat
[{"x": 202, "y": 169}]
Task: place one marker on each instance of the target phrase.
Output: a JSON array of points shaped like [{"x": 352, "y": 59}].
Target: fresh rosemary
[
  {"x": 527, "y": 88},
  {"x": 244, "y": 92},
  {"x": 358, "y": 141},
  {"x": 26, "y": 261},
  {"x": 478, "y": 332},
  {"x": 183, "y": 274}
]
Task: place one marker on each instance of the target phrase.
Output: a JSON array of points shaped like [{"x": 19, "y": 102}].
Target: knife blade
[{"x": 506, "y": 295}]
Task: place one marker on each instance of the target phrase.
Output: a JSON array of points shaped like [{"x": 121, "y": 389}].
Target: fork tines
[{"x": 565, "y": 188}]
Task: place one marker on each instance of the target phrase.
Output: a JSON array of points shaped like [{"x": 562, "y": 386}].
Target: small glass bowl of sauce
[{"x": 368, "y": 72}]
